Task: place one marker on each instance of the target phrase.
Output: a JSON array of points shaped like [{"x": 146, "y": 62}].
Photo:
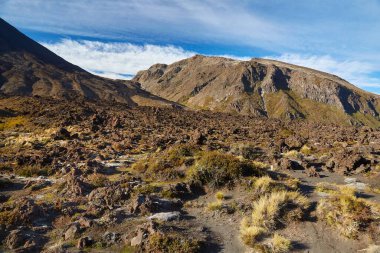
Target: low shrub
[
  {"x": 173, "y": 243},
  {"x": 33, "y": 171},
  {"x": 216, "y": 169},
  {"x": 98, "y": 180},
  {"x": 165, "y": 165}
]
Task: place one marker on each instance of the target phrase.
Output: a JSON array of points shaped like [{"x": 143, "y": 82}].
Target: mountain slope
[
  {"x": 27, "y": 68},
  {"x": 261, "y": 87}
]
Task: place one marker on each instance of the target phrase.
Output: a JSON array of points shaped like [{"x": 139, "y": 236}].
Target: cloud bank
[
  {"x": 358, "y": 73},
  {"x": 124, "y": 60},
  {"x": 115, "y": 60}
]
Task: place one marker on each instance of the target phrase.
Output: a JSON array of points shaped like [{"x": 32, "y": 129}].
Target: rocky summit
[{"x": 261, "y": 87}]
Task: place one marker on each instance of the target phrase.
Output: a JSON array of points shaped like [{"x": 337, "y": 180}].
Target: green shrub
[
  {"x": 165, "y": 165},
  {"x": 216, "y": 169},
  {"x": 173, "y": 243},
  {"x": 98, "y": 180},
  {"x": 33, "y": 171}
]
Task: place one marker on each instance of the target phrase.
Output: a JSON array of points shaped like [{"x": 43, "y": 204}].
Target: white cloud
[
  {"x": 124, "y": 60},
  {"x": 356, "y": 72},
  {"x": 115, "y": 60}
]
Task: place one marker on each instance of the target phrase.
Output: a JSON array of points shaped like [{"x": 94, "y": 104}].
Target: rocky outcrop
[{"x": 261, "y": 87}]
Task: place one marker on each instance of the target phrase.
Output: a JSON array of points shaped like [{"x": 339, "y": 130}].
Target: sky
[{"x": 117, "y": 38}]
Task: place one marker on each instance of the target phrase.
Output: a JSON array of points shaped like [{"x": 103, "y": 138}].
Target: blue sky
[{"x": 116, "y": 38}]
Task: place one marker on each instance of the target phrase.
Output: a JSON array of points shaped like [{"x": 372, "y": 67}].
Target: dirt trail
[{"x": 223, "y": 228}]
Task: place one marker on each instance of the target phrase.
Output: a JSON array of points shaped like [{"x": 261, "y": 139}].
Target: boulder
[
  {"x": 111, "y": 238},
  {"x": 287, "y": 164},
  {"x": 143, "y": 204},
  {"x": 110, "y": 196},
  {"x": 165, "y": 216},
  {"x": 72, "y": 231},
  {"x": 84, "y": 242}
]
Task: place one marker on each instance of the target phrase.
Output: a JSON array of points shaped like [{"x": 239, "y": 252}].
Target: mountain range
[{"x": 258, "y": 87}]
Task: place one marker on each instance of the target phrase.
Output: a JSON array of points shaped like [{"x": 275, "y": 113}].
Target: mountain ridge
[{"x": 260, "y": 87}]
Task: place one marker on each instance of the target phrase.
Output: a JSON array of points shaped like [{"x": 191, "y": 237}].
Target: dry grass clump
[
  {"x": 306, "y": 150},
  {"x": 280, "y": 244},
  {"x": 269, "y": 213},
  {"x": 215, "y": 206},
  {"x": 335, "y": 188},
  {"x": 217, "y": 169},
  {"x": 292, "y": 153},
  {"x": 278, "y": 207},
  {"x": 266, "y": 184},
  {"x": 173, "y": 243},
  {"x": 249, "y": 234},
  {"x": 293, "y": 183},
  {"x": 347, "y": 213},
  {"x": 219, "y": 195}
]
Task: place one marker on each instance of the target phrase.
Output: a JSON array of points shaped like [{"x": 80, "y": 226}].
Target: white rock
[{"x": 169, "y": 216}]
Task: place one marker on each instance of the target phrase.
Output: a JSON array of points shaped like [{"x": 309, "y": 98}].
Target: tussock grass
[
  {"x": 215, "y": 206},
  {"x": 292, "y": 153},
  {"x": 280, "y": 244},
  {"x": 306, "y": 150},
  {"x": 270, "y": 212},
  {"x": 293, "y": 183},
  {"x": 278, "y": 207},
  {"x": 251, "y": 235},
  {"x": 331, "y": 188},
  {"x": 266, "y": 184},
  {"x": 219, "y": 195},
  {"x": 349, "y": 214}
]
